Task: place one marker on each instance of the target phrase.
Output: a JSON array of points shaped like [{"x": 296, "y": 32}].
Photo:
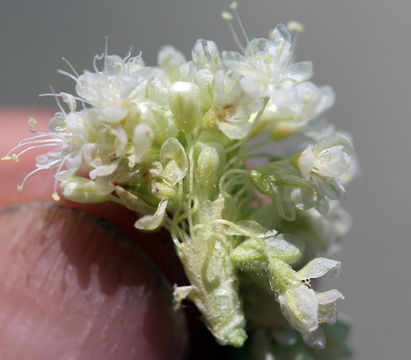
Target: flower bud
[
  {"x": 82, "y": 190},
  {"x": 185, "y": 104},
  {"x": 210, "y": 164}
]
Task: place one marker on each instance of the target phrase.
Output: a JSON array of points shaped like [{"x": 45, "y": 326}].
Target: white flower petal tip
[
  {"x": 152, "y": 222},
  {"x": 319, "y": 267},
  {"x": 327, "y": 307},
  {"x": 315, "y": 339}
]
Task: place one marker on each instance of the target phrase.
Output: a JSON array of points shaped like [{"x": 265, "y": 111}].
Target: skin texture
[{"x": 74, "y": 286}]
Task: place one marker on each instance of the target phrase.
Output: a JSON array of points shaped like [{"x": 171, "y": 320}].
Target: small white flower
[
  {"x": 233, "y": 107},
  {"x": 330, "y": 158},
  {"x": 267, "y": 64},
  {"x": 304, "y": 308},
  {"x": 291, "y": 108},
  {"x": 121, "y": 81},
  {"x": 324, "y": 165}
]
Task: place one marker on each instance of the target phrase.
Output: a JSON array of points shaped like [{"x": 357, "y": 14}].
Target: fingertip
[{"x": 76, "y": 285}]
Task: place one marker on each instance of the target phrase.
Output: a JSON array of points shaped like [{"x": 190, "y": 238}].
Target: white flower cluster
[{"x": 171, "y": 142}]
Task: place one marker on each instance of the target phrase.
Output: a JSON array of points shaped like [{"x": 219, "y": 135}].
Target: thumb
[{"x": 74, "y": 287}]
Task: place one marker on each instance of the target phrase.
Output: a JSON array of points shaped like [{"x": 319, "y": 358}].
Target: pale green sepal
[
  {"x": 252, "y": 255},
  {"x": 174, "y": 161},
  {"x": 286, "y": 247},
  {"x": 131, "y": 201},
  {"x": 250, "y": 229},
  {"x": 210, "y": 165},
  {"x": 185, "y": 104},
  {"x": 82, "y": 190}
]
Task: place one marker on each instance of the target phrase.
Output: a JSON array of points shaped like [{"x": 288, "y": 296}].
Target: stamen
[
  {"x": 32, "y": 137},
  {"x": 55, "y": 179},
  {"x": 35, "y": 147},
  {"x": 55, "y": 196},
  {"x": 95, "y": 59},
  {"x": 296, "y": 26},
  {"x": 61, "y": 96},
  {"x": 130, "y": 51},
  {"x": 228, "y": 18},
  {"x": 56, "y": 97},
  {"x": 55, "y": 142},
  {"x": 234, "y": 7},
  {"x": 20, "y": 187},
  {"x": 70, "y": 66},
  {"x": 105, "y": 53},
  {"x": 65, "y": 73}
]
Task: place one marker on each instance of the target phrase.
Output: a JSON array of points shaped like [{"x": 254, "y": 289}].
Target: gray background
[{"x": 360, "y": 47}]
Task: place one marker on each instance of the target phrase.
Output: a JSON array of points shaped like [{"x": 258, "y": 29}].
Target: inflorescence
[{"x": 173, "y": 143}]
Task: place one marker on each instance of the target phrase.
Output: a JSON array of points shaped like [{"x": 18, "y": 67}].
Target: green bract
[{"x": 172, "y": 143}]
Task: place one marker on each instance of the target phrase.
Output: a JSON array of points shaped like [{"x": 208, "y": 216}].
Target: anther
[
  {"x": 296, "y": 26},
  {"x": 32, "y": 122}
]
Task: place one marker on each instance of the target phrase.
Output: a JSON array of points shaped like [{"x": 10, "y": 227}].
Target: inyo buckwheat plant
[{"x": 173, "y": 143}]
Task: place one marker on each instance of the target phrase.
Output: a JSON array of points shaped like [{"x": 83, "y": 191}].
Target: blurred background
[{"x": 360, "y": 48}]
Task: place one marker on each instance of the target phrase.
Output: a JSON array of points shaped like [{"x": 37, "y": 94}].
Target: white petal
[
  {"x": 112, "y": 114},
  {"x": 315, "y": 339},
  {"x": 327, "y": 308},
  {"x": 235, "y": 129},
  {"x": 328, "y": 297},
  {"x": 306, "y": 162},
  {"x": 104, "y": 170},
  {"x": 300, "y": 307},
  {"x": 152, "y": 222},
  {"x": 319, "y": 267},
  {"x": 300, "y": 71},
  {"x": 205, "y": 54}
]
